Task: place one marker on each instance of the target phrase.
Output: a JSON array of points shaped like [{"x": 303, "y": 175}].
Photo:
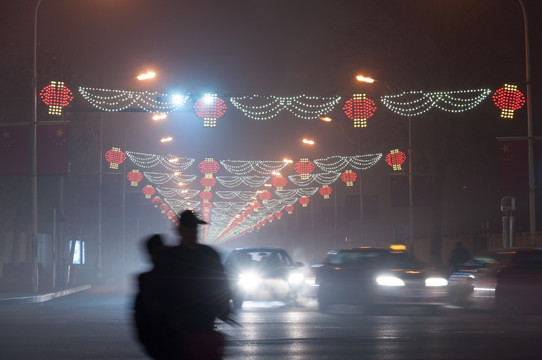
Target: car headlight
[
  {"x": 248, "y": 281},
  {"x": 296, "y": 278},
  {"x": 388, "y": 280},
  {"x": 436, "y": 282}
]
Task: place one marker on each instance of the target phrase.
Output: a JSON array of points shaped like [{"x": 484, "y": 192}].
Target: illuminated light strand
[
  {"x": 151, "y": 160},
  {"x": 337, "y": 163},
  {"x": 119, "y": 100},
  {"x": 233, "y": 181},
  {"x": 242, "y": 195},
  {"x": 162, "y": 178},
  {"x": 291, "y": 193},
  {"x": 242, "y": 167},
  {"x": 301, "y": 106},
  {"x": 229, "y": 206},
  {"x": 322, "y": 179},
  {"x": 171, "y": 192},
  {"x": 413, "y": 103}
]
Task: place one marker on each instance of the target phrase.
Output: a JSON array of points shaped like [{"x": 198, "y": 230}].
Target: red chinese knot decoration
[
  {"x": 115, "y": 157},
  {"x": 56, "y": 95},
  {"x": 304, "y": 167},
  {"x": 508, "y": 99},
  {"x": 348, "y": 176},
  {"x": 359, "y": 109},
  {"x": 148, "y": 190},
  {"x": 325, "y": 191},
  {"x": 134, "y": 177},
  {"x": 395, "y": 158},
  {"x": 210, "y": 108}
]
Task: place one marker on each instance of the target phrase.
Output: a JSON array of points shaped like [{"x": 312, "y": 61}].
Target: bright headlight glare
[
  {"x": 436, "y": 281},
  {"x": 248, "y": 281},
  {"x": 388, "y": 280},
  {"x": 296, "y": 278}
]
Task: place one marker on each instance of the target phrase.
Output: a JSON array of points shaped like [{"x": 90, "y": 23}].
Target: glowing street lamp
[
  {"x": 365, "y": 79},
  {"x": 166, "y": 139},
  {"x": 159, "y": 116},
  {"x": 146, "y": 76},
  {"x": 308, "y": 141}
]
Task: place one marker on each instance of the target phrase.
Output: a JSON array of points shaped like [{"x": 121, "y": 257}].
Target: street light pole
[
  {"x": 530, "y": 135},
  {"x": 34, "y": 162}
]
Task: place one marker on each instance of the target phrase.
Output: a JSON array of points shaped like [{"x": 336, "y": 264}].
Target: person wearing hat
[{"x": 194, "y": 292}]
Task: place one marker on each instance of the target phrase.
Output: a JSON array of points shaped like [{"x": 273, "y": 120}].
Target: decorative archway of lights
[{"x": 234, "y": 196}]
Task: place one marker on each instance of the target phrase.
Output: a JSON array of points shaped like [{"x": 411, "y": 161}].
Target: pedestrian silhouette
[
  {"x": 193, "y": 292},
  {"x": 147, "y": 308},
  {"x": 458, "y": 257}
]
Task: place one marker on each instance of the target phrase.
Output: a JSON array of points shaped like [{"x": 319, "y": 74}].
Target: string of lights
[{"x": 322, "y": 179}]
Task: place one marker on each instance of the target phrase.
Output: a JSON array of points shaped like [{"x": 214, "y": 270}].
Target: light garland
[
  {"x": 337, "y": 163},
  {"x": 234, "y": 181},
  {"x": 243, "y": 195},
  {"x": 261, "y": 107},
  {"x": 162, "y": 178},
  {"x": 151, "y": 160},
  {"x": 241, "y": 167},
  {"x": 413, "y": 103},
  {"x": 119, "y": 100},
  {"x": 183, "y": 193},
  {"x": 322, "y": 179}
]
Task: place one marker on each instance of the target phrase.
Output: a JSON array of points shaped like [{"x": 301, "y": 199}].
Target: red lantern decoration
[
  {"x": 206, "y": 207},
  {"x": 278, "y": 214},
  {"x": 304, "y": 167},
  {"x": 508, "y": 99},
  {"x": 359, "y": 109},
  {"x": 279, "y": 182},
  {"x": 157, "y": 201},
  {"x": 208, "y": 183},
  {"x": 395, "y": 158},
  {"x": 249, "y": 211},
  {"x": 289, "y": 209},
  {"x": 208, "y": 166},
  {"x": 164, "y": 208},
  {"x": 304, "y": 200},
  {"x": 206, "y": 196},
  {"x": 56, "y": 96},
  {"x": 148, "y": 190},
  {"x": 348, "y": 176},
  {"x": 270, "y": 218},
  {"x": 325, "y": 191},
  {"x": 264, "y": 196},
  {"x": 210, "y": 108},
  {"x": 115, "y": 157},
  {"x": 255, "y": 205},
  {"x": 171, "y": 214},
  {"x": 134, "y": 177}
]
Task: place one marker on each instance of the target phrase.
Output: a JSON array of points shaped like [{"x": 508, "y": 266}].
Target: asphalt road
[{"x": 97, "y": 325}]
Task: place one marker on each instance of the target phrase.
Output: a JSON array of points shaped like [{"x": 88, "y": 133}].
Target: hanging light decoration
[
  {"x": 304, "y": 200},
  {"x": 395, "y": 159},
  {"x": 164, "y": 208},
  {"x": 278, "y": 215},
  {"x": 325, "y": 191},
  {"x": 508, "y": 99},
  {"x": 264, "y": 196},
  {"x": 348, "y": 177},
  {"x": 279, "y": 181},
  {"x": 56, "y": 95},
  {"x": 304, "y": 167},
  {"x": 359, "y": 109},
  {"x": 148, "y": 190},
  {"x": 210, "y": 108},
  {"x": 270, "y": 218},
  {"x": 134, "y": 177},
  {"x": 115, "y": 157},
  {"x": 289, "y": 209},
  {"x": 157, "y": 201}
]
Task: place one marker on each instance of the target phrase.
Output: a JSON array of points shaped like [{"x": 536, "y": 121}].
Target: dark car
[
  {"x": 473, "y": 285},
  {"x": 377, "y": 278},
  {"x": 262, "y": 273},
  {"x": 519, "y": 285}
]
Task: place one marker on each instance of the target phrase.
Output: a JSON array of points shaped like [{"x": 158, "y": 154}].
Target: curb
[{"x": 43, "y": 297}]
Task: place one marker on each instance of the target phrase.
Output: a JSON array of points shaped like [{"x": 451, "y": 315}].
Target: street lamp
[{"x": 370, "y": 80}]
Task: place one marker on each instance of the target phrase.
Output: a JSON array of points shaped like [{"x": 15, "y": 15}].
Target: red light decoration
[
  {"x": 171, "y": 214},
  {"x": 304, "y": 167},
  {"x": 206, "y": 196},
  {"x": 278, "y": 214},
  {"x": 249, "y": 211},
  {"x": 359, "y": 109},
  {"x": 348, "y": 176},
  {"x": 289, "y": 209},
  {"x": 115, "y": 157},
  {"x": 395, "y": 158},
  {"x": 134, "y": 177},
  {"x": 148, "y": 190},
  {"x": 157, "y": 201},
  {"x": 264, "y": 196},
  {"x": 255, "y": 205},
  {"x": 164, "y": 208},
  {"x": 210, "y": 108},
  {"x": 279, "y": 182},
  {"x": 208, "y": 183},
  {"x": 304, "y": 200},
  {"x": 56, "y": 95},
  {"x": 208, "y": 166},
  {"x": 270, "y": 218},
  {"x": 325, "y": 191},
  {"x": 206, "y": 207},
  {"x": 508, "y": 99}
]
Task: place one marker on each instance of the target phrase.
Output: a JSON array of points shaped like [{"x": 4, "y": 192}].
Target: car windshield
[
  {"x": 258, "y": 257},
  {"x": 373, "y": 259}
]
